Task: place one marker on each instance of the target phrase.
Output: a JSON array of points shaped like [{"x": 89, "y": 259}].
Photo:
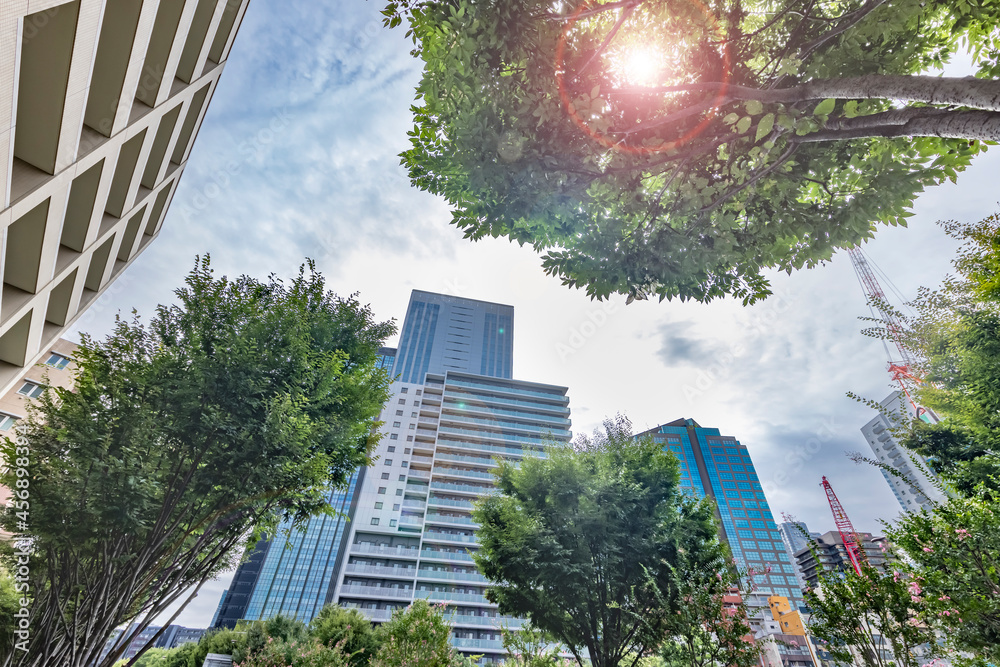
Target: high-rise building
[
  {"x": 102, "y": 101},
  {"x": 796, "y": 536},
  {"x": 916, "y": 489},
  {"x": 453, "y": 407},
  {"x": 831, "y": 556},
  {"x": 718, "y": 466}
]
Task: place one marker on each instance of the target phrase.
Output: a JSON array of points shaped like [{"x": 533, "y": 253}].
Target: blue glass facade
[
  {"x": 298, "y": 570},
  {"x": 720, "y": 467},
  {"x": 417, "y": 340}
]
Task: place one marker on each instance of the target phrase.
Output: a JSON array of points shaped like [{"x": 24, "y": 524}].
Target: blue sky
[{"x": 298, "y": 158}]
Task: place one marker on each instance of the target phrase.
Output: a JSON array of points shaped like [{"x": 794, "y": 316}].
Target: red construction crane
[
  {"x": 851, "y": 543},
  {"x": 900, "y": 369}
]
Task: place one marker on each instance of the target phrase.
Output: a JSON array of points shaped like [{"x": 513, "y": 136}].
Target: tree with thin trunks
[{"x": 184, "y": 438}]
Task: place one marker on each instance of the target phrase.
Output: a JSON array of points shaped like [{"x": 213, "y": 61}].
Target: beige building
[
  {"x": 55, "y": 369},
  {"x": 100, "y": 102}
]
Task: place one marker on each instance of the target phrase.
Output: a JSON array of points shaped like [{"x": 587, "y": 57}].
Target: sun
[{"x": 641, "y": 65}]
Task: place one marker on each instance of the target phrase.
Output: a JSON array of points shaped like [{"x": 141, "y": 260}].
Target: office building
[
  {"x": 916, "y": 489},
  {"x": 177, "y": 635},
  {"x": 831, "y": 556},
  {"x": 718, "y": 466},
  {"x": 102, "y": 101},
  {"x": 453, "y": 408}
]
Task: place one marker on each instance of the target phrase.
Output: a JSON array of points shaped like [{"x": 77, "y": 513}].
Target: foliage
[
  {"x": 954, "y": 561},
  {"x": 10, "y": 603},
  {"x": 711, "y": 627},
  {"x": 872, "y": 612},
  {"x": 767, "y": 135},
  {"x": 575, "y": 541},
  {"x": 297, "y": 653},
  {"x": 229, "y": 411},
  {"x": 529, "y": 647},
  {"x": 348, "y": 628},
  {"x": 417, "y": 636}
]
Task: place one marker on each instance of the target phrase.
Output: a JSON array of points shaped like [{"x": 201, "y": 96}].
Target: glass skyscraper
[{"x": 718, "y": 466}]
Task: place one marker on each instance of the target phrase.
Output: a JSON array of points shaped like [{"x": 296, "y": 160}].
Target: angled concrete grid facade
[{"x": 100, "y": 102}]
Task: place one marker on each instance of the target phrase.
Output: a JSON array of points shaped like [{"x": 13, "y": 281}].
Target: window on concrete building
[
  {"x": 391, "y": 449},
  {"x": 404, "y": 390},
  {"x": 399, "y": 492},
  {"x": 392, "y": 522},
  {"x": 394, "y": 436},
  {"x": 374, "y": 520},
  {"x": 6, "y": 421},
  {"x": 381, "y": 490},
  {"x": 31, "y": 390},
  {"x": 57, "y": 361},
  {"x": 385, "y": 475},
  {"x": 388, "y": 462},
  {"x": 378, "y": 506}
]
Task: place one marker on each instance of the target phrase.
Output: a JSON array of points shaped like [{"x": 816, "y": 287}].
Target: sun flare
[{"x": 641, "y": 66}]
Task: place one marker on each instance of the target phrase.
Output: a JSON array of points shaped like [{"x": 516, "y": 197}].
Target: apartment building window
[
  {"x": 412, "y": 426},
  {"x": 388, "y": 462},
  {"x": 31, "y": 390},
  {"x": 399, "y": 413},
  {"x": 409, "y": 438},
  {"x": 395, "y": 508},
  {"x": 393, "y": 436},
  {"x": 374, "y": 520},
  {"x": 402, "y": 478},
  {"x": 419, "y": 391},
  {"x": 396, "y": 424},
  {"x": 406, "y": 450},
  {"x": 6, "y": 421},
  {"x": 385, "y": 475},
  {"x": 413, "y": 414},
  {"x": 399, "y": 492},
  {"x": 381, "y": 490},
  {"x": 378, "y": 506},
  {"x": 402, "y": 401},
  {"x": 392, "y": 523},
  {"x": 57, "y": 361},
  {"x": 406, "y": 389}
]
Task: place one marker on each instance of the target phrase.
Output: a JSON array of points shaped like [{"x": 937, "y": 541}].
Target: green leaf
[
  {"x": 754, "y": 107},
  {"x": 825, "y": 107},
  {"x": 744, "y": 124},
  {"x": 851, "y": 108},
  {"x": 765, "y": 126}
]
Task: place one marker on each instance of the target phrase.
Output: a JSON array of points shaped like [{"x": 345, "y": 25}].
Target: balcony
[
  {"x": 447, "y": 502},
  {"x": 490, "y": 644},
  {"x": 456, "y": 395},
  {"x": 419, "y": 458},
  {"x": 373, "y": 614},
  {"x": 458, "y": 458},
  {"x": 433, "y": 554},
  {"x": 419, "y": 474},
  {"x": 449, "y": 537},
  {"x": 449, "y": 596},
  {"x": 463, "y": 488},
  {"x": 442, "y": 575},
  {"x": 355, "y": 590},
  {"x": 503, "y": 437},
  {"x": 496, "y": 449},
  {"x": 485, "y": 621},
  {"x": 434, "y": 517},
  {"x": 381, "y": 570},
  {"x": 517, "y": 391},
  {"x": 414, "y": 503},
  {"x": 411, "y": 521},
  {"x": 384, "y": 550},
  {"x": 458, "y": 472}
]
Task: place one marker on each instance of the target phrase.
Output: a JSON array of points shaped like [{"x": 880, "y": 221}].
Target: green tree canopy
[
  {"x": 227, "y": 412},
  {"x": 350, "y": 629},
  {"x": 679, "y": 149},
  {"x": 872, "y": 613},
  {"x": 583, "y": 542}
]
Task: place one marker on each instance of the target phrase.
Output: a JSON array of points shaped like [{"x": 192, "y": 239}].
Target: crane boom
[{"x": 846, "y": 528}]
